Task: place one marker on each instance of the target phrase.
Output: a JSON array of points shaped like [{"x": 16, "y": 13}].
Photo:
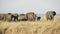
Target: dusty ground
[{"x": 33, "y": 27}]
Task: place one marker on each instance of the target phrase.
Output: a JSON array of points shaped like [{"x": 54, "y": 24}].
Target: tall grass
[{"x": 31, "y": 27}]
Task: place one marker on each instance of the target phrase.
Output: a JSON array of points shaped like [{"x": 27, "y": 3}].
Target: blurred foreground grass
[{"x": 32, "y": 27}]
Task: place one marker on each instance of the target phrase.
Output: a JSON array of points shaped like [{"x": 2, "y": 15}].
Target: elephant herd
[{"x": 31, "y": 16}]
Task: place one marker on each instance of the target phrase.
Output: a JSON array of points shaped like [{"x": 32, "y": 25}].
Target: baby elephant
[{"x": 38, "y": 18}]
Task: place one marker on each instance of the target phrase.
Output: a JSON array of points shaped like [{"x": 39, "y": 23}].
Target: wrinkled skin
[{"x": 50, "y": 15}]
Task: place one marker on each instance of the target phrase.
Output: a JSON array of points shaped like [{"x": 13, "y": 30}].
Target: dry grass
[{"x": 33, "y": 27}]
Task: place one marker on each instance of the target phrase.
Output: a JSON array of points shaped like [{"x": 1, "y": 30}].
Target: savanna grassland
[{"x": 31, "y": 27}]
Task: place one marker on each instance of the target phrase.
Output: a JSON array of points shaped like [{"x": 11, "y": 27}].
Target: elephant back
[
  {"x": 22, "y": 17},
  {"x": 15, "y": 14}
]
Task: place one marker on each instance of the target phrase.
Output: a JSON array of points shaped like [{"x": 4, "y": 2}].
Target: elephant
[
  {"x": 8, "y": 17},
  {"x": 22, "y": 17},
  {"x": 38, "y": 18},
  {"x": 50, "y": 15},
  {"x": 31, "y": 16},
  {"x": 5, "y": 17},
  {"x": 14, "y": 17}
]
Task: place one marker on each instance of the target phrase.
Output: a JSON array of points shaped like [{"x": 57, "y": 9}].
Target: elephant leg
[
  {"x": 53, "y": 18},
  {"x": 47, "y": 18},
  {"x": 11, "y": 18},
  {"x": 14, "y": 18},
  {"x": 17, "y": 18},
  {"x": 50, "y": 18},
  {"x": 34, "y": 19}
]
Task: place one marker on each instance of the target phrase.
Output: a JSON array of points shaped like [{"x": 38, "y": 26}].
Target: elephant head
[{"x": 54, "y": 13}]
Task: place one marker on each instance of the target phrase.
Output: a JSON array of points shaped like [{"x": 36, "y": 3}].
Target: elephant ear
[{"x": 54, "y": 13}]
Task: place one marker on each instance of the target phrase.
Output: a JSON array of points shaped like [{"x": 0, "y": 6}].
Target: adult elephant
[
  {"x": 22, "y": 17},
  {"x": 50, "y": 15},
  {"x": 14, "y": 17},
  {"x": 31, "y": 16},
  {"x": 8, "y": 17},
  {"x": 5, "y": 17}
]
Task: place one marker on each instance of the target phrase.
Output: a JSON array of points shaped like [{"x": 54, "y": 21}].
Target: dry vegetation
[{"x": 33, "y": 27}]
